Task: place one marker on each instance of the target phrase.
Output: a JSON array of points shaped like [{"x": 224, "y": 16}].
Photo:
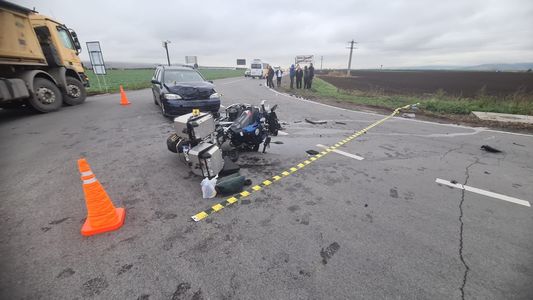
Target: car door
[{"x": 156, "y": 88}]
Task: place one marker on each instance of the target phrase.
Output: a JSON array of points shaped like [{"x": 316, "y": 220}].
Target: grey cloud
[{"x": 392, "y": 33}]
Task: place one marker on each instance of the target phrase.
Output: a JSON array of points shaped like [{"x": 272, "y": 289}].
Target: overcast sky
[{"x": 389, "y": 33}]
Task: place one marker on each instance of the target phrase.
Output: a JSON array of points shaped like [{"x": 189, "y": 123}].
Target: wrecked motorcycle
[
  {"x": 247, "y": 126},
  {"x": 200, "y": 138}
]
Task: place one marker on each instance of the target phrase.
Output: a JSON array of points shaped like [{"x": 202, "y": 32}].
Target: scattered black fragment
[
  {"x": 486, "y": 172},
  {"x": 490, "y": 149},
  {"x": 366, "y": 205},
  {"x": 341, "y": 123},
  {"x": 248, "y": 182},
  {"x": 518, "y": 144},
  {"x": 317, "y": 122},
  {"x": 298, "y": 121},
  {"x": 277, "y": 142},
  {"x": 454, "y": 181},
  {"x": 312, "y": 152}
]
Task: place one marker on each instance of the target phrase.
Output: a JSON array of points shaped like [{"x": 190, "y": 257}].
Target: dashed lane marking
[
  {"x": 235, "y": 198},
  {"x": 483, "y": 192},
  {"x": 343, "y": 153}
]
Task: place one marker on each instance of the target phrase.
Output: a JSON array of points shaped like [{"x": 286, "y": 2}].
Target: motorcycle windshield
[{"x": 246, "y": 118}]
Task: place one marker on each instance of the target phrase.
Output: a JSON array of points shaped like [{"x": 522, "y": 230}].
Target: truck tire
[
  {"x": 75, "y": 93},
  {"x": 46, "y": 96}
]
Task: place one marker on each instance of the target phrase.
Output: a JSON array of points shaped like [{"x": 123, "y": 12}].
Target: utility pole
[
  {"x": 321, "y": 59},
  {"x": 350, "y": 59},
  {"x": 165, "y": 45}
]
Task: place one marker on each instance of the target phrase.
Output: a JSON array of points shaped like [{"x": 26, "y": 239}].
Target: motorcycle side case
[
  {"x": 200, "y": 126},
  {"x": 206, "y": 160}
]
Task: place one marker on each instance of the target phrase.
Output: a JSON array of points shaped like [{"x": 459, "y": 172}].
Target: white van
[
  {"x": 259, "y": 69},
  {"x": 256, "y": 69}
]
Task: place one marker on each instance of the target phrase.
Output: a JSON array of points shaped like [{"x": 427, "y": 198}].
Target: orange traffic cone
[
  {"x": 123, "y": 97},
  {"x": 102, "y": 215}
]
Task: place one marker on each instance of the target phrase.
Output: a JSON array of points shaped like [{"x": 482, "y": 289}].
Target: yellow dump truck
[{"x": 39, "y": 63}]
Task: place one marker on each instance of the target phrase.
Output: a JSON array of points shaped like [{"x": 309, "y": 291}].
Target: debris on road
[
  {"x": 408, "y": 115},
  {"x": 454, "y": 181},
  {"x": 340, "y": 123},
  {"x": 208, "y": 188},
  {"x": 518, "y": 144},
  {"x": 312, "y": 152},
  {"x": 490, "y": 149},
  {"x": 317, "y": 122},
  {"x": 277, "y": 142},
  {"x": 298, "y": 121}
]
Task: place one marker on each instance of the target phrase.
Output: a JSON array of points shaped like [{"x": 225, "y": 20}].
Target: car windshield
[
  {"x": 175, "y": 76},
  {"x": 256, "y": 66}
]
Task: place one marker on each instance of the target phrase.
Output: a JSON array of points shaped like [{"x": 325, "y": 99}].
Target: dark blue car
[{"x": 179, "y": 90}]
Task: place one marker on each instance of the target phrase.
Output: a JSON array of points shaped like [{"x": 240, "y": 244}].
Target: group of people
[
  {"x": 307, "y": 74},
  {"x": 270, "y": 76},
  {"x": 295, "y": 72}
]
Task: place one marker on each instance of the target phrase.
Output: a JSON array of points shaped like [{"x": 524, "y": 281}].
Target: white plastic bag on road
[{"x": 208, "y": 187}]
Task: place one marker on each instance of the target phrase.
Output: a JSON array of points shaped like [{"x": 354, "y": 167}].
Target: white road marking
[
  {"x": 400, "y": 118},
  {"x": 483, "y": 192},
  {"x": 342, "y": 152}
]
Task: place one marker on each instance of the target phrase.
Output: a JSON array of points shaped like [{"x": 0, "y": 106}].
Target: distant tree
[{"x": 529, "y": 70}]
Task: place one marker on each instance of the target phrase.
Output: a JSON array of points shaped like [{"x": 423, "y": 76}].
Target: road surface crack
[
  {"x": 451, "y": 150},
  {"x": 461, "y": 230}
]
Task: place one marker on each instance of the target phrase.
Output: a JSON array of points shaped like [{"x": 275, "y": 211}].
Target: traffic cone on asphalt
[
  {"x": 102, "y": 215},
  {"x": 123, "y": 97}
]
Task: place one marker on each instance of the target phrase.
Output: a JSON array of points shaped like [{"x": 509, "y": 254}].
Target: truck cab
[{"x": 39, "y": 63}]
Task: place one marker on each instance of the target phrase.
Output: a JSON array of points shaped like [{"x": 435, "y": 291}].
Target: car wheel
[
  {"x": 75, "y": 93},
  {"x": 46, "y": 96}
]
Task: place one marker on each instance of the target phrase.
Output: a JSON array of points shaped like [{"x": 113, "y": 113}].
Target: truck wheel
[
  {"x": 76, "y": 92},
  {"x": 47, "y": 96}
]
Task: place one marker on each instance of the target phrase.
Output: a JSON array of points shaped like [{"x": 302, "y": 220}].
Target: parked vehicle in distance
[
  {"x": 180, "y": 89},
  {"x": 39, "y": 63},
  {"x": 247, "y": 73},
  {"x": 258, "y": 69}
]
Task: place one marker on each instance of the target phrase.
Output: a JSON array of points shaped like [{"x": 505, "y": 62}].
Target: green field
[
  {"x": 132, "y": 79},
  {"x": 438, "y": 103}
]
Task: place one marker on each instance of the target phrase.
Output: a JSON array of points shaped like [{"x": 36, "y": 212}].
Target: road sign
[
  {"x": 96, "y": 57},
  {"x": 191, "y": 60},
  {"x": 241, "y": 62},
  {"x": 304, "y": 59}
]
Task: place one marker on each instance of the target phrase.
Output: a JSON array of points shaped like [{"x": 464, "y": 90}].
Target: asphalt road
[{"x": 340, "y": 228}]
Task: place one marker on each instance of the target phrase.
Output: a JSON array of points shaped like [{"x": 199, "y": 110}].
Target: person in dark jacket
[
  {"x": 311, "y": 76},
  {"x": 299, "y": 75},
  {"x": 306, "y": 77},
  {"x": 292, "y": 73},
  {"x": 270, "y": 77}
]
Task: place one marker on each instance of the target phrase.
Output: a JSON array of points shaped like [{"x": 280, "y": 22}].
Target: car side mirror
[{"x": 155, "y": 81}]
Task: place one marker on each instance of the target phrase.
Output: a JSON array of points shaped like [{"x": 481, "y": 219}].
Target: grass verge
[
  {"x": 437, "y": 104},
  {"x": 133, "y": 79}
]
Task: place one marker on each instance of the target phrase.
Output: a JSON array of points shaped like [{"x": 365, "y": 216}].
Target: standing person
[
  {"x": 311, "y": 75},
  {"x": 292, "y": 73},
  {"x": 306, "y": 77},
  {"x": 299, "y": 75},
  {"x": 270, "y": 78},
  {"x": 279, "y": 74}
]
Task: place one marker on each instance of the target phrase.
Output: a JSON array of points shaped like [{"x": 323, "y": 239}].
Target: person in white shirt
[{"x": 279, "y": 74}]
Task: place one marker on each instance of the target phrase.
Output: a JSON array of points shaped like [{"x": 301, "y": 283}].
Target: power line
[{"x": 352, "y": 42}]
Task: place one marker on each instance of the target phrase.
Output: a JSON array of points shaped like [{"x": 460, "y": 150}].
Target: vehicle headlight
[
  {"x": 214, "y": 95},
  {"x": 172, "y": 97}
]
